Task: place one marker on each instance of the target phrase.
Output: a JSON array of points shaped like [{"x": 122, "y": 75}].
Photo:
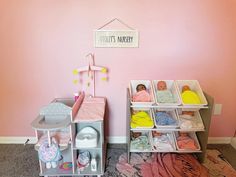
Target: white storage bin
[
  {"x": 148, "y": 110},
  {"x": 165, "y": 148},
  {"x": 172, "y": 113},
  {"x": 194, "y": 86},
  {"x": 196, "y": 120},
  {"x": 132, "y": 88},
  {"x": 191, "y": 135},
  {"x": 140, "y": 148},
  {"x": 171, "y": 86}
]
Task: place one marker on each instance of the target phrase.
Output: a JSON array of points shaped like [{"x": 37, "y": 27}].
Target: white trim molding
[
  {"x": 219, "y": 140},
  {"x": 110, "y": 139},
  {"x": 233, "y": 142},
  {"x": 117, "y": 139},
  {"x": 33, "y": 140},
  {"x": 17, "y": 140}
]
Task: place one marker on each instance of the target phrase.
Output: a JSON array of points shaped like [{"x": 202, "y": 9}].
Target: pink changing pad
[{"x": 91, "y": 109}]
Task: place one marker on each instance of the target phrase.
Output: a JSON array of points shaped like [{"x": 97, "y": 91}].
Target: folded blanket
[
  {"x": 162, "y": 143},
  {"x": 163, "y": 118},
  {"x": 141, "y": 119},
  {"x": 185, "y": 142},
  {"x": 162, "y": 165},
  {"x": 190, "y": 97},
  {"x": 165, "y": 96},
  {"x": 140, "y": 143},
  {"x": 142, "y": 96},
  {"x": 187, "y": 121}
]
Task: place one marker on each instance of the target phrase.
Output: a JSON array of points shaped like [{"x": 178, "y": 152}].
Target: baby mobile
[{"x": 90, "y": 70}]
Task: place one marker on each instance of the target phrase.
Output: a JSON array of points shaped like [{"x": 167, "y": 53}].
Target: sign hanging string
[{"x": 116, "y": 19}]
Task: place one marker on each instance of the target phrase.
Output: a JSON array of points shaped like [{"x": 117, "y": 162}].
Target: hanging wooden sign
[{"x": 116, "y": 38}]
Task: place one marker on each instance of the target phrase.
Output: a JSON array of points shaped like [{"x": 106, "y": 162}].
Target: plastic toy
[
  {"x": 86, "y": 138},
  {"x": 66, "y": 166}
]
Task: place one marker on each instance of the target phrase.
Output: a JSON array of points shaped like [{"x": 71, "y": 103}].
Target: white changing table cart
[
  {"x": 63, "y": 118},
  {"x": 91, "y": 114}
]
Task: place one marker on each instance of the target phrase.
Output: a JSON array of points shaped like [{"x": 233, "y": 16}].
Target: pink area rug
[{"x": 173, "y": 165}]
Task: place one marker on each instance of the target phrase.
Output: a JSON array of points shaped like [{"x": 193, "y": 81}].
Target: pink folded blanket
[
  {"x": 161, "y": 165},
  {"x": 142, "y": 96},
  {"x": 185, "y": 142}
]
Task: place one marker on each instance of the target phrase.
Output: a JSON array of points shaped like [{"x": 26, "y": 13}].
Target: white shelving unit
[
  {"x": 97, "y": 151},
  {"x": 69, "y": 151},
  {"x": 202, "y": 133}
]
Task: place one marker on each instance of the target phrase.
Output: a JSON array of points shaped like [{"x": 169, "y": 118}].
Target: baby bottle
[
  {"x": 93, "y": 163},
  {"x": 76, "y": 96}
]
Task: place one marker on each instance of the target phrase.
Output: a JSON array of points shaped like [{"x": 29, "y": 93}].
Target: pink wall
[{"x": 41, "y": 42}]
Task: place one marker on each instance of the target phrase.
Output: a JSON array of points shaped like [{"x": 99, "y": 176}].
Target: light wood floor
[{"x": 228, "y": 152}]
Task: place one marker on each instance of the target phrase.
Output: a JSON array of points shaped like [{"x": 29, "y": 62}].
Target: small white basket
[
  {"x": 171, "y": 86},
  {"x": 194, "y": 86},
  {"x": 197, "y": 118},
  {"x": 191, "y": 135},
  {"x": 172, "y": 113},
  {"x": 171, "y": 139},
  {"x": 148, "y": 110},
  {"x": 143, "y": 133},
  {"x": 132, "y": 88}
]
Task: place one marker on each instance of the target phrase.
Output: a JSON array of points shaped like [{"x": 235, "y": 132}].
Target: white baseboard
[
  {"x": 17, "y": 140},
  {"x": 33, "y": 140},
  {"x": 233, "y": 142},
  {"x": 117, "y": 139},
  {"x": 111, "y": 139},
  {"x": 219, "y": 140}
]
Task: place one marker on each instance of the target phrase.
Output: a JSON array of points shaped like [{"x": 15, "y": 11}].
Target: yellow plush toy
[
  {"x": 141, "y": 119},
  {"x": 189, "y": 97}
]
